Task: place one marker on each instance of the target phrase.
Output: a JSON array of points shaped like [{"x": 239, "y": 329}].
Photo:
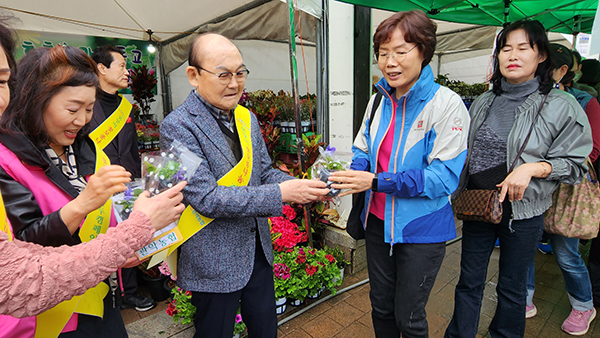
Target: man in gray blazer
[{"x": 230, "y": 260}]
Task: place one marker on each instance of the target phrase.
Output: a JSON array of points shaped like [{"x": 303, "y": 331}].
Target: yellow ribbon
[
  {"x": 51, "y": 322},
  {"x": 191, "y": 221},
  {"x": 4, "y": 225}
]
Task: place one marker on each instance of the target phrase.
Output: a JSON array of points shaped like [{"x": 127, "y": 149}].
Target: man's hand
[
  {"x": 354, "y": 180},
  {"x": 302, "y": 191}
]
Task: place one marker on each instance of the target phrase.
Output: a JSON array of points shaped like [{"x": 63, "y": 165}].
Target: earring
[{"x": 557, "y": 85}]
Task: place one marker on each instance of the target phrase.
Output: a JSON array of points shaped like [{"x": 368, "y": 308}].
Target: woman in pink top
[{"x": 34, "y": 278}]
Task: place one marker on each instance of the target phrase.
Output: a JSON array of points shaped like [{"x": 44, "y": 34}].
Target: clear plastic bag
[
  {"x": 167, "y": 168},
  {"x": 123, "y": 202},
  {"x": 329, "y": 161}
]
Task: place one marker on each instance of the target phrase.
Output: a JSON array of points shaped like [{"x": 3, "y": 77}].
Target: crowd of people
[{"x": 417, "y": 146}]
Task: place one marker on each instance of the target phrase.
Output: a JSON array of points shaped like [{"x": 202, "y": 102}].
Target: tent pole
[
  {"x": 298, "y": 118},
  {"x": 164, "y": 84}
]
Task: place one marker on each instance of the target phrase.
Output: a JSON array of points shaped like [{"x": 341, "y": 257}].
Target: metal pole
[{"x": 298, "y": 118}]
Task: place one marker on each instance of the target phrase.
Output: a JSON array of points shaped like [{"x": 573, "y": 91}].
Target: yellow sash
[
  {"x": 191, "y": 221},
  {"x": 52, "y": 322},
  {"x": 4, "y": 226}
]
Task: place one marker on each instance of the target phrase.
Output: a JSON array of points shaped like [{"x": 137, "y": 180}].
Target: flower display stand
[
  {"x": 354, "y": 251},
  {"x": 295, "y": 302}
]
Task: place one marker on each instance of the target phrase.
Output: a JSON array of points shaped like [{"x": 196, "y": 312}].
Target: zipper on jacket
[
  {"x": 396, "y": 166},
  {"x": 377, "y": 153}
]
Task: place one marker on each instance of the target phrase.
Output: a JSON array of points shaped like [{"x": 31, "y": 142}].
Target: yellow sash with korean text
[
  {"x": 51, "y": 322},
  {"x": 4, "y": 225},
  {"x": 191, "y": 221}
]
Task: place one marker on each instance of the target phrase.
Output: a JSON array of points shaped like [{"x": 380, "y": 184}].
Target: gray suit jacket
[{"x": 220, "y": 257}]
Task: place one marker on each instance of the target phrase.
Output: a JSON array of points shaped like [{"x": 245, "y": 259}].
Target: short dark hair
[
  {"x": 102, "y": 54},
  {"x": 590, "y": 72},
  {"x": 43, "y": 72},
  {"x": 536, "y": 34},
  {"x": 192, "y": 57},
  {"x": 416, "y": 26}
]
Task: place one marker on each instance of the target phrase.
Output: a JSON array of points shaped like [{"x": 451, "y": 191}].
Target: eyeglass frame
[
  {"x": 226, "y": 75},
  {"x": 403, "y": 54}
]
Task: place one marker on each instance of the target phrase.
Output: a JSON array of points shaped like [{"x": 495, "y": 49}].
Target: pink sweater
[{"x": 34, "y": 278}]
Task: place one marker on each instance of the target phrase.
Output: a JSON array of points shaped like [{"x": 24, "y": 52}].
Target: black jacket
[
  {"x": 123, "y": 150},
  {"x": 28, "y": 222}
]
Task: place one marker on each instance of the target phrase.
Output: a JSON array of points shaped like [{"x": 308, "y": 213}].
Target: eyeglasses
[
  {"x": 225, "y": 77},
  {"x": 397, "y": 56}
]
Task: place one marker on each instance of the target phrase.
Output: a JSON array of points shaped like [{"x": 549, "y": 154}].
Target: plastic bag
[
  {"x": 164, "y": 170},
  {"x": 329, "y": 161},
  {"x": 123, "y": 202}
]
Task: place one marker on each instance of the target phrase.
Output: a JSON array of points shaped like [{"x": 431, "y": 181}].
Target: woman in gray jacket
[{"x": 559, "y": 144}]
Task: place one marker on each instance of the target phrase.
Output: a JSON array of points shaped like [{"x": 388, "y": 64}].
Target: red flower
[
  {"x": 289, "y": 212},
  {"x": 311, "y": 269},
  {"x": 171, "y": 309},
  {"x": 330, "y": 258}
]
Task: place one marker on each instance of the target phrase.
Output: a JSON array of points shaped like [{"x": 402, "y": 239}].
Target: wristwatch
[{"x": 374, "y": 184}]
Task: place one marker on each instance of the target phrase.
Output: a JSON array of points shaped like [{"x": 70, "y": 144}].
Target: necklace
[{"x": 61, "y": 154}]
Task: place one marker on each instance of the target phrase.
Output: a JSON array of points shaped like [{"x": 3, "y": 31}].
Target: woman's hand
[
  {"x": 164, "y": 208},
  {"x": 354, "y": 180},
  {"x": 108, "y": 181},
  {"x": 518, "y": 180}
]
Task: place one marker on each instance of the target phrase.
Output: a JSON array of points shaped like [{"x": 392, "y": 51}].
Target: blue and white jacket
[{"x": 428, "y": 155}]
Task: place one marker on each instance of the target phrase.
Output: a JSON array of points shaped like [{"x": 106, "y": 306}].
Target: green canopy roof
[{"x": 563, "y": 16}]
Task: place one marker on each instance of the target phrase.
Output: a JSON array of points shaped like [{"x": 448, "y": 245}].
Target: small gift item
[
  {"x": 328, "y": 162},
  {"x": 123, "y": 202},
  {"x": 169, "y": 168}
]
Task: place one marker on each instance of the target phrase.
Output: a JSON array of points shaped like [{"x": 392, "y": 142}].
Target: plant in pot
[
  {"x": 281, "y": 276},
  {"x": 285, "y": 234},
  {"x": 181, "y": 306},
  {"x": 338, "y": 256},
  {"x": 142, "y": 84},
  {"x": 322, "y": 266}
]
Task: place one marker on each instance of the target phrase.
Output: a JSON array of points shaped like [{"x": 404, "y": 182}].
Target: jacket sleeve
[
  {"x": 593, "y": 114},
  {"x": 572, "y": 142},
  {"x": 28, "y": 222},
  {"x": 360, "y": 147},
  {"x": 202, "y": 191},
  {"x": 35, "y": 278},
  {"x": 446, "y": 156}
]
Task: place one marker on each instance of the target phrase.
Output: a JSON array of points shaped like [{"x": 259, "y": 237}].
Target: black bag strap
[
  {"x": 512, "y": 166},
  {"x": 374, "y": 107}
]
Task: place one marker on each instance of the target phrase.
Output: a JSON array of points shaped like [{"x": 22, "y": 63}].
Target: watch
[{"x": 374, "y": 184}]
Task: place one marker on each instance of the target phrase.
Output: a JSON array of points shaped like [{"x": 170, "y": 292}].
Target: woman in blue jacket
[{"x": 408, "y": 159}]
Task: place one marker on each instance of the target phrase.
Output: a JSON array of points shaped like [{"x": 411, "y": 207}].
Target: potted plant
[
  {"x": 338, "y": 256},
  {"x": 181, "y": 306},
  {"x": 142, "y": 84},
  {"x": 285, "y": 234},
  {"x": 155, "y": 281}
]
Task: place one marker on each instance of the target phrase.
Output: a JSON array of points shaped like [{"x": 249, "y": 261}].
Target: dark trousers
[
  {"x": 129, "y": 278},
  {"x": 518, "y": 244},
  {"x": 400, "y": 282},
  {"x": 215, "y": 312}
]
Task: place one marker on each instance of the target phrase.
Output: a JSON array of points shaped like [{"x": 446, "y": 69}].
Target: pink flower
[
  {"x": 281, "y": 271},
  {"x": 289, "y": 212},
  {"x": 238, "y": 318}
]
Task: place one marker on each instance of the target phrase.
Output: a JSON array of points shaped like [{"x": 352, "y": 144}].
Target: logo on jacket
[
  {"x": 457, "y": 124},
  {"x": 419, "y": 126}
]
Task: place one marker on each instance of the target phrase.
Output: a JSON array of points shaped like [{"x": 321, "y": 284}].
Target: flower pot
[
  {"x": 295, "y": 302},
  {"x": 280, "y": 305},
  {"x": 341, "y": 278},
  {"x": 317, "y": 293},
  {"x": 305, "y": 126},
  {"x": 156, "y": 287},
  {"x": 237, "y": 335},
  {"x": 169, "y": 284}
]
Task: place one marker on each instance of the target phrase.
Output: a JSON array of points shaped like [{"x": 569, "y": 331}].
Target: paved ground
[{"x": 348, "y": 314}]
